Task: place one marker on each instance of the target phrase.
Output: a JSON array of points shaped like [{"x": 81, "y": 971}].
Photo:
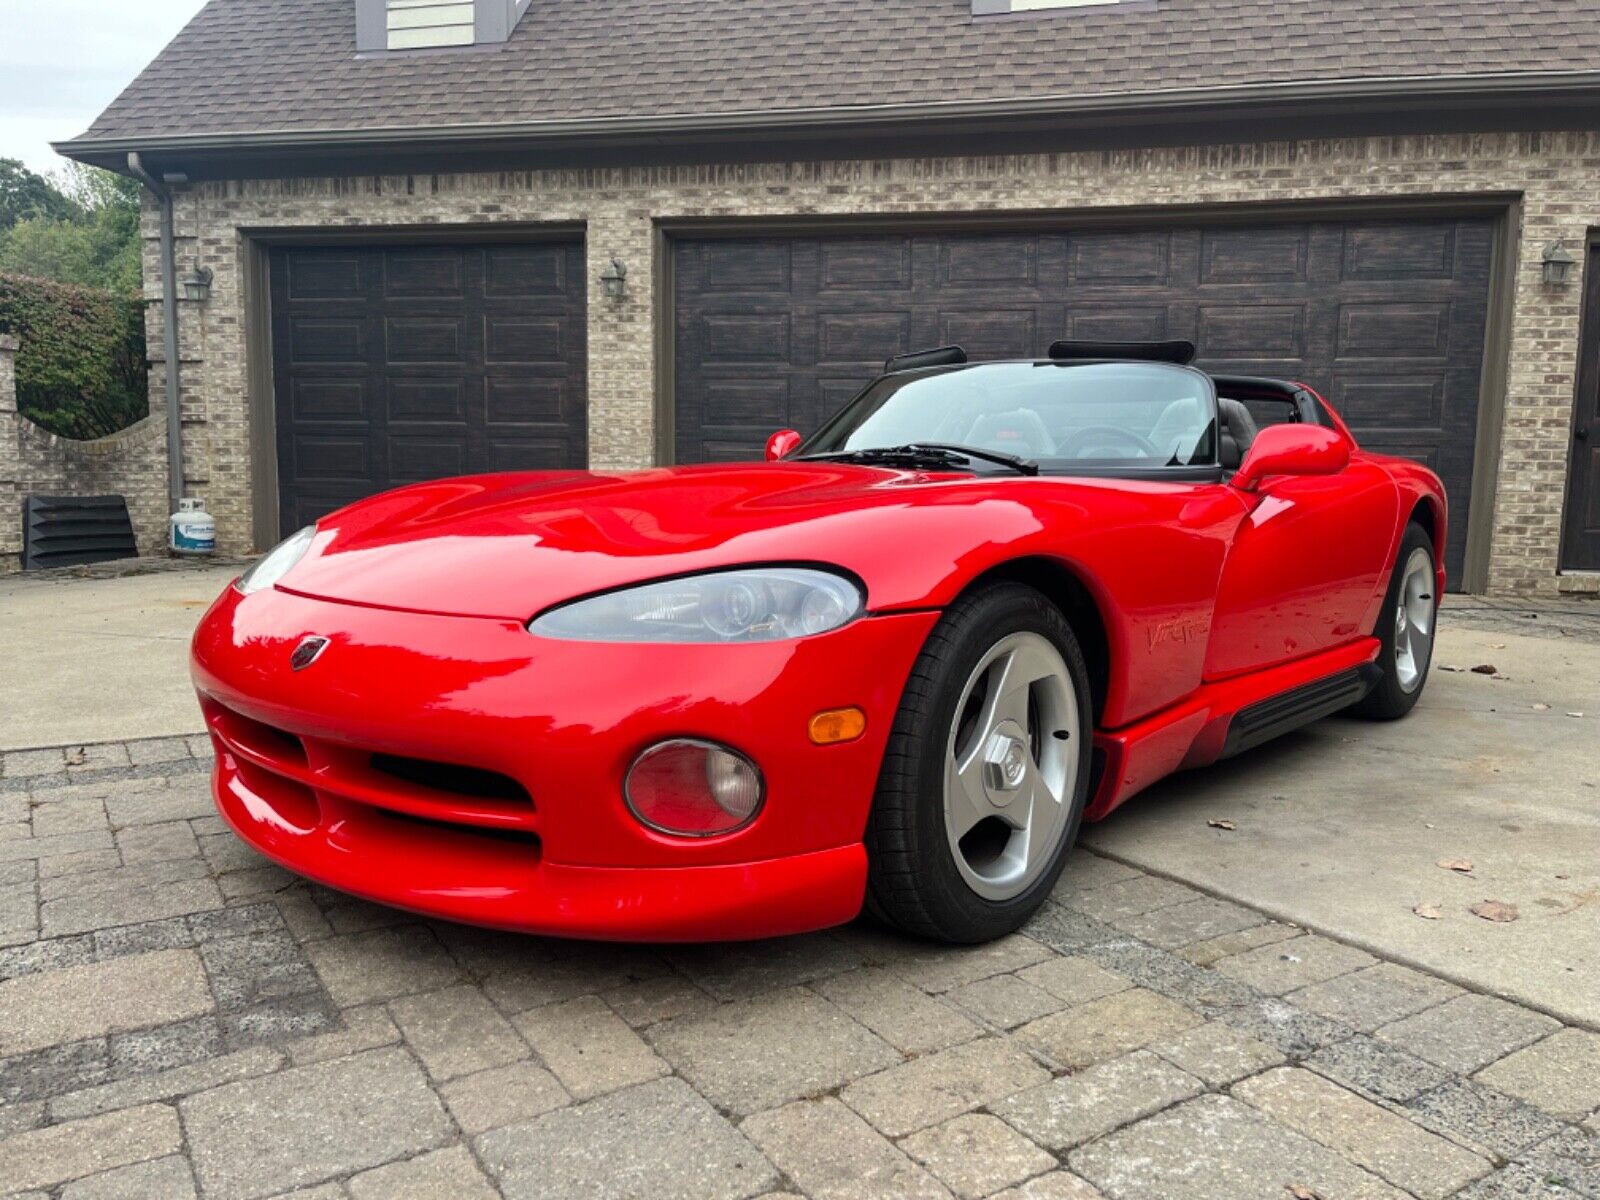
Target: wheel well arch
[
  {"x": 1067, "y": 591},
  {"x": 1428, "y": 513}
]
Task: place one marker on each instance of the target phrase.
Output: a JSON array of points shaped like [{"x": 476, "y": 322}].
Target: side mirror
[
  {"x": 782, "y": 443},
  {"x": 1292, "y": 450}
]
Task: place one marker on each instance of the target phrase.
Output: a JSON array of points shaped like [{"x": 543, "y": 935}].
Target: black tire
[
  {"x": 1389, "y": 700},
  {"x": 913, "y": 882}
]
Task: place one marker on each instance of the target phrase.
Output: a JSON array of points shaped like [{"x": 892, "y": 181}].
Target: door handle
[{"x": 1583, "y": 433}]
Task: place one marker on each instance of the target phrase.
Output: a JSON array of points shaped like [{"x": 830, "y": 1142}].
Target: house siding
[{"x": 1550, "y": 182}]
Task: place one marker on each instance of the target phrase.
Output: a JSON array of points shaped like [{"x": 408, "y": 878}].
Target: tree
[
  {"x": 25, "y": 194},
  {"x": 84, "y": 231}
]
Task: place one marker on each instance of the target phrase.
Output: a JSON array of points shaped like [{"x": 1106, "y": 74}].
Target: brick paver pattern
[{"x": 180, "y": 1018}]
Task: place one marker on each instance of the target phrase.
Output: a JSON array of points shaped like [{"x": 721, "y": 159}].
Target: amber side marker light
[{"x": 838, "y": 725}]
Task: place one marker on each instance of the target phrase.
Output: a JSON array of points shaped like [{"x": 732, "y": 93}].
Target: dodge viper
[{"x": 894, "y": 667}]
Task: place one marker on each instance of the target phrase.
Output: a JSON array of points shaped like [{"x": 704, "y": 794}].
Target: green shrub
[{"x": 81, "y": 369}]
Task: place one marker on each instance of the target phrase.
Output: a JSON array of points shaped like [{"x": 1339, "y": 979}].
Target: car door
[{"x": 1303, "y": 568}]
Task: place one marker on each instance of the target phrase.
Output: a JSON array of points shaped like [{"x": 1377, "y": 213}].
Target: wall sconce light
[
  {"x": 197, "y": 284},
  {"x": 615, "y": 280},
  {"x": 1558, "y": 264}
]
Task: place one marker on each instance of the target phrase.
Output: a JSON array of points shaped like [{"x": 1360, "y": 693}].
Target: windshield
[{"x": 1067, "y": 417}]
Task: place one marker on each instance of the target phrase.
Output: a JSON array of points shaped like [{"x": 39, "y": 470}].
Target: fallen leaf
[
  {"x": 76, "y": 758},
  {"x": 1448, "y": 667},
  {"x": 1461, "y": 865},
  {"x": 1541, "y": 708},
  {"x": 1222, "y": 825},
  {"x": 1497, "y": 911},
  {"x": 1428, "y": 912},
  {"x": 1301, "y": 1192},
  {"x": 1497, "y": 645},
  {"x": 1576, "y": 714},
  {"x": 1485, "y": 669}
]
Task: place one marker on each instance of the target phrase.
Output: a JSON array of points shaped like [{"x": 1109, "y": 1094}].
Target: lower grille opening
[
  {"x": 447, "y": 777},
  {"x": 513, "y": 837},
  {"x": 295, "y": 804},
  {"x": 262, "y": 739}
]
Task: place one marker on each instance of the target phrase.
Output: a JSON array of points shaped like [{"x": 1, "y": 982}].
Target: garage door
[
  {"x": 1386, "y": 318},
  {"x": 394, "y": 365}
]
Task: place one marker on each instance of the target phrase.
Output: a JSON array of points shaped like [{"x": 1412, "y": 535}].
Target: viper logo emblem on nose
[{"x": 307, "y": 652}]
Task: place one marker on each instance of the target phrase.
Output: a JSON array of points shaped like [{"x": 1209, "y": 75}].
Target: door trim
[
  {"x": 256, "y": 245},
  {"x": 1504, "y": 207}
]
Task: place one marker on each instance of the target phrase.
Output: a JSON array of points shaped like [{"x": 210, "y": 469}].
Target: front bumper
[{"x": 305, "y": 766}]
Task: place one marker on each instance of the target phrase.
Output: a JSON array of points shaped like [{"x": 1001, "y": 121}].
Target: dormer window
[
  {"x": 990, "y": 8},
  {"x": 434, "y": 24}
]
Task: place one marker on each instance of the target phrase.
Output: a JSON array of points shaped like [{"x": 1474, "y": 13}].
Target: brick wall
[
  {"x": 34, "y": 461},
  {"x": 1557, "y": 177}
]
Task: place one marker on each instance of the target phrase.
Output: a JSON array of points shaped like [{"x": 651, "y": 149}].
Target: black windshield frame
[{"x": 830, "y": 437}]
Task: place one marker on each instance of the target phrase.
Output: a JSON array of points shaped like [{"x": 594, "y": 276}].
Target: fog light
[
  {"x": 838, "y": 725},
  {"x": 688, "y": 788}
]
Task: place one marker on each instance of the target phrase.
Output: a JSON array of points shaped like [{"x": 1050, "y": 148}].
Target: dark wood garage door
[
  {"x": 394, "y": 365},
  {"x": 1385, "y": 318}
]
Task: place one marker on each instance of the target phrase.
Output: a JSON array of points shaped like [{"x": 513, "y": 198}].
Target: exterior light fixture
[
  {"x": 197, "y": 284},
  {"x": 1558, "y": 264},
  {"x": 615, "y": 280}
]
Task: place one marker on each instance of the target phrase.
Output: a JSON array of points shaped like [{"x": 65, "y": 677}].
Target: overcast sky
[{"x": 63, "y": 61}]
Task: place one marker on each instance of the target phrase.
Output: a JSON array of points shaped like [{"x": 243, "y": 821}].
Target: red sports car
[{"x": 895, "y": 666}]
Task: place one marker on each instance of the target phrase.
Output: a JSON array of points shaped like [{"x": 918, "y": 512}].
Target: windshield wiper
[{"x": 928, "y": 454}]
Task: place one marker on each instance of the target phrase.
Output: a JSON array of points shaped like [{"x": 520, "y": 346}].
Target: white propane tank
[{"x": 193, "y": 530}]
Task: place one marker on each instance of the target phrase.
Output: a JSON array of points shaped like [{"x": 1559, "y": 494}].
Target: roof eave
[{"x": 1124, "y": 107}]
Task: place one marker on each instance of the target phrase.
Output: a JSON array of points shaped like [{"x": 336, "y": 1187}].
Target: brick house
[{"x": 410, "y": 209}]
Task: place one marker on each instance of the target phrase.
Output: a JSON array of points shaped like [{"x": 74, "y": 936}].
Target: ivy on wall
[{"x": 81, "y": 372}]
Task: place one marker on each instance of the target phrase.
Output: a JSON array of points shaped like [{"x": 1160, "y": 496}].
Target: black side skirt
[{"x": 1263, "y": 721}]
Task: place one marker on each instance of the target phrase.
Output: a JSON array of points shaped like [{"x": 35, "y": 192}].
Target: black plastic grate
[{"x": 67, "y": 531}]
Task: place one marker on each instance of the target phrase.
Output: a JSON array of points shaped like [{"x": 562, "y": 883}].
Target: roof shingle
[{"x": 257, "y": 66}]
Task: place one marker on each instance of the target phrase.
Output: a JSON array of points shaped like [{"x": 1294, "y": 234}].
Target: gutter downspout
[{"x": 169, "y": 310}]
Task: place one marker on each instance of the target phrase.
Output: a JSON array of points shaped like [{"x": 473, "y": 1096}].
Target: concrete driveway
[
  {"x": 99, "y": 655},
  {"x": 1341, "y": 826}
]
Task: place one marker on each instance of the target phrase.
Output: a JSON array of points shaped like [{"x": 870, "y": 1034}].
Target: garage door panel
[
  {"x": 1390, "y": 401},
  {"x": 412, "y": 400},
  {"x": 319, "y": 275},
  {"x": 415, "y": 458},
  {"x": 986, "y": 262},
  {"x": 991, "y": 334},
  {"x": 424, "y": 340},
  {"x": 530, "y": 454},
  {"x": 509, "y": 341},
  {"x": 330, "y": 458},
  {"x": 327, "y": 340},
  {"x": 525, "y": 400},
  {"x": 1395, "y": 330},
  {"x": 862, "y": 337},
  {"x": 322, "y": 400},
  {"x": 1121, "y": 325},
  {"x": 1119, "y": 260},
  {"x": 400, "y": 364},
  {"x": 527, "y": 272},
  {"x": 1390, "y": 251},
  {"x": 875, "y": 265},
  {"x": 433, "y": 274},
  {"x": 1254, "y": 333},
  {"x": 1253, "y": 257}
]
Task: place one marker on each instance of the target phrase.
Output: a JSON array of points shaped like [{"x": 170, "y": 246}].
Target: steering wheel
[{"x": 1094, "y": 437}]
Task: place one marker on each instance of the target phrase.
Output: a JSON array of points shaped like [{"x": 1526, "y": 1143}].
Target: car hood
[{"x": 510, "y": 546}]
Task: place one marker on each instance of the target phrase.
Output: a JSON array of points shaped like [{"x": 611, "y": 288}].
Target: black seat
[{"x": 1238, "y": 432}]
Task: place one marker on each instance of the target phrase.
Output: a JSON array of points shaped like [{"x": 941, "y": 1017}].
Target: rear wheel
[
  {"x": 986, "y": 773},
  {"x": 1406, "y": 629}
]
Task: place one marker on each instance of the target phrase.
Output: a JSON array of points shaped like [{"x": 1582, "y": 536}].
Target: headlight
[
  {"x": 279, "y": 561},
  {"x": 765, "y": 604}
]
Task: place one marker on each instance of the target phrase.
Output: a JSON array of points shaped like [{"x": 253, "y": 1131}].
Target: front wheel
[
  {"x": 987, "y": 771},
  {"x": 1406, "y": 628}
]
